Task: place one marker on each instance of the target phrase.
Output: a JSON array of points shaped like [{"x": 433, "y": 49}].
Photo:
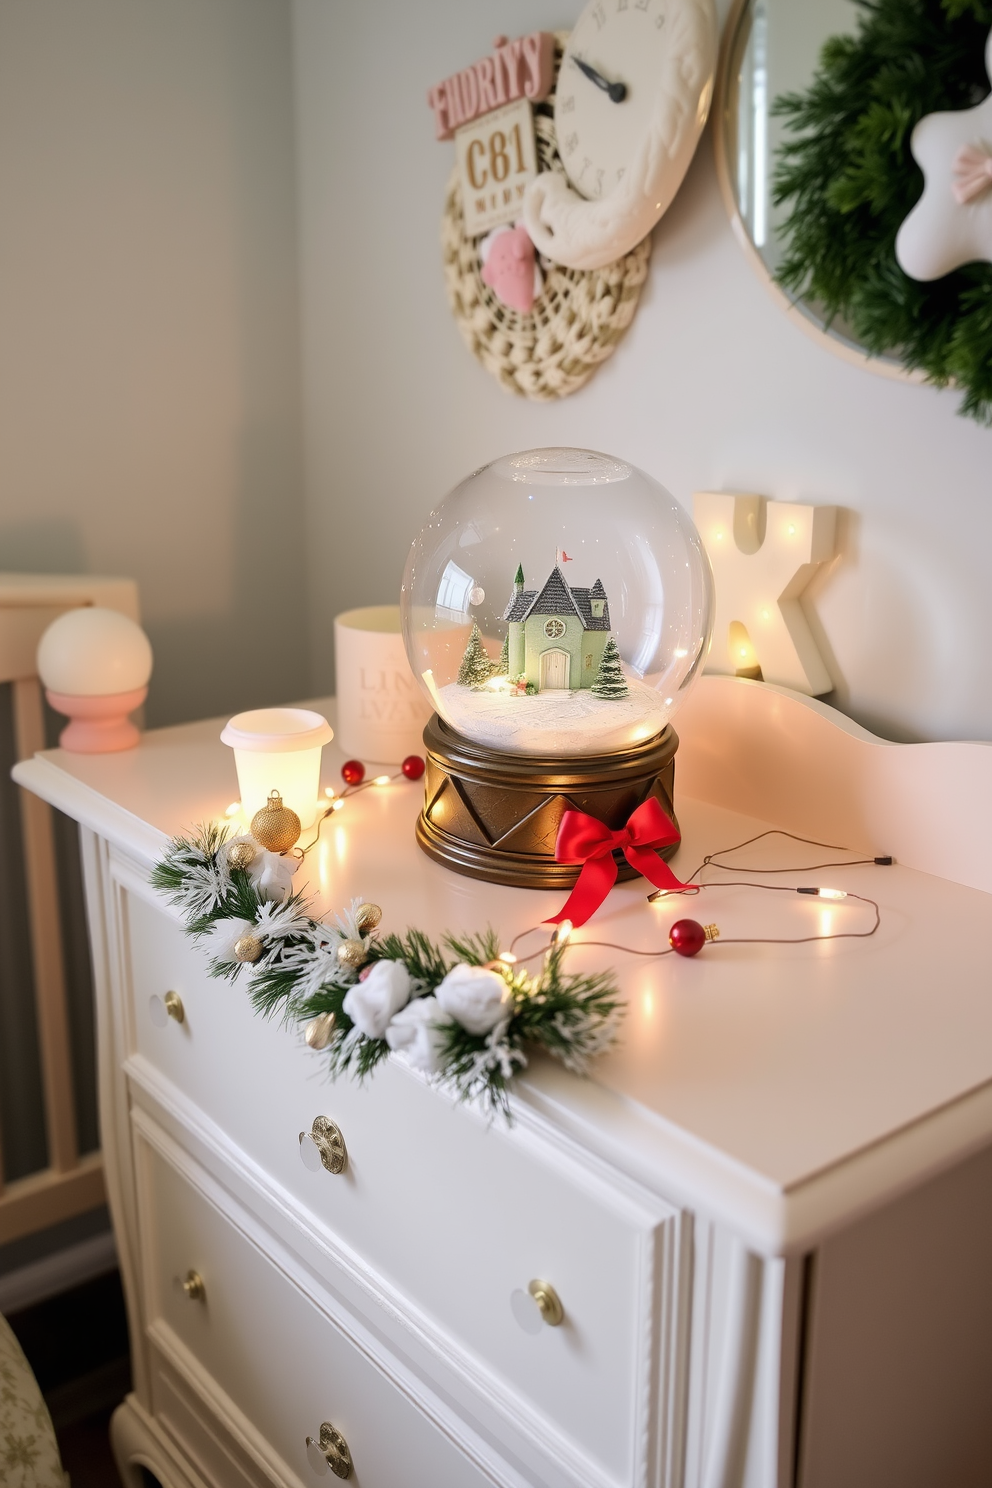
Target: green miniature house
[{"x": 557, "y": 634}]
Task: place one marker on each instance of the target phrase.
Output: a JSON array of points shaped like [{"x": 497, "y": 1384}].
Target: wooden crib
[{"x": 49, "y": 1141}]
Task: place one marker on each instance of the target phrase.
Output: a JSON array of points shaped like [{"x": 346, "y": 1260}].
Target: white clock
[{"x": 631, "y": 100}]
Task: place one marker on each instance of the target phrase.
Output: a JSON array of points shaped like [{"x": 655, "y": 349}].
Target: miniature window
[{"x": 554, "y": 629}]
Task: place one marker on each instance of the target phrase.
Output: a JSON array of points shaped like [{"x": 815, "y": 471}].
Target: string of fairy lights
[
  {"x": 686, "y": 936},
  {"x": 353, "y": 773}
]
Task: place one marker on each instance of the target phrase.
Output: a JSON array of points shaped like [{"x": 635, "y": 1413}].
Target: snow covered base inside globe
[
  {"x": 493, "y": 814},
  {"x": 579, "y": 722}
]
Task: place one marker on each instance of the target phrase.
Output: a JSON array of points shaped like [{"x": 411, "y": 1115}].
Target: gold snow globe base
[{"x": 496, "y": 816}]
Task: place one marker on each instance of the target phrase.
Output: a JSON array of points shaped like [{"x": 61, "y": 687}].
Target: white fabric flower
[
  {"x": 223, "y": 935},
  {"x": 475, "y": 997},
  {"x": 272, "y": 875},
  {"x": 416, "y": 1033},
  {"x": 371, "y": 1004}
]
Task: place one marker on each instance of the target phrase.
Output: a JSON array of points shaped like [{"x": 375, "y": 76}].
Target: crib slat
[
  {"x": 46, "y": 940},
  {"x": 30, "y": 1204}
]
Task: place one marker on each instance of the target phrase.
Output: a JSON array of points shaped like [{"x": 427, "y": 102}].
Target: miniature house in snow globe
[{"x": 556, "y": 609}]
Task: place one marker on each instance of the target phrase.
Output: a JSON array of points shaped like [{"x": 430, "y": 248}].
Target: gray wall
[
  {"x": 149, "y": 344},
  {"x": 714, "y": 388},
  {"x": 154, "y": 255}
]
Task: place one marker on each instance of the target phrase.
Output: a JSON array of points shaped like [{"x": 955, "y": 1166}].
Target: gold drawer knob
[
  {"x": 323, "y": 1147},
  {"x": 193, "y": 1286},
  {"x": 548, "y": 1302},
  {"x": 161, "y": 1009},
  {"x": 330, "y": 1450}
]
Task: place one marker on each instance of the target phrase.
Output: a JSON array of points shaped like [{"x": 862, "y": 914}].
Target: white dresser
[{"x": 768, "y": 1217}]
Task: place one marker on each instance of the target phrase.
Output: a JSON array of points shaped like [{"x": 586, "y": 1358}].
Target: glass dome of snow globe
[{"x": 557, "y": 604}]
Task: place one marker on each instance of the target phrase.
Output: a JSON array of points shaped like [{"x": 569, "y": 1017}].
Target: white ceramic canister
[{"x": 381, "y": 710}]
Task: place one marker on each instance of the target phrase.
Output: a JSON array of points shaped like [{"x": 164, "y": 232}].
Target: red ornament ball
[
  {"x": 413, "y": 767},
  {"x": 352, "y": 772},
  {"x": 687, "y": 937}
]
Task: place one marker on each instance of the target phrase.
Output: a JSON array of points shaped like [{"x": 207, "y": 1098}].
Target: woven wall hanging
[{"x": 577, "y": 320}]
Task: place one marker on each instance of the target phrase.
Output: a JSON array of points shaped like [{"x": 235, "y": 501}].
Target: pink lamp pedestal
[{"x": 98, "y": 725}]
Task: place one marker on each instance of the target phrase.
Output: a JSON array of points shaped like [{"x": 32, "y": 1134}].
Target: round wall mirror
[{"x": 772, "y": 47}]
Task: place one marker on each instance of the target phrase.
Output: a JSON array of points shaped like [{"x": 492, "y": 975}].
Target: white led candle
[{"x": 278, "y": 749}]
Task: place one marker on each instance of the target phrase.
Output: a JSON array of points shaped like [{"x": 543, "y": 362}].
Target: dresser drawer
[
  {"x": 212, "y": 1047},
  {"x": 463, "y": 1217},
  {"x": 277, "y": 1366},
  {"x": 454, "y": 1217}
]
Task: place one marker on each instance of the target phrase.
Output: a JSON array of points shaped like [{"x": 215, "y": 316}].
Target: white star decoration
[{"x": 951, "y": 223}]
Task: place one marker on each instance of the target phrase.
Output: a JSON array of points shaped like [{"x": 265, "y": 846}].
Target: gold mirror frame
[{"x": 735, "y": 36}]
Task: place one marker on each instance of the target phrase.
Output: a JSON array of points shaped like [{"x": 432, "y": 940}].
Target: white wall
[
  {"x": 149, "y": 350},
  {"x": 713, "y": 387}
]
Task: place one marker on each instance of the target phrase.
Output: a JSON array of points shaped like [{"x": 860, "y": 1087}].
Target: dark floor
[{"x": 77, "y": 1346}]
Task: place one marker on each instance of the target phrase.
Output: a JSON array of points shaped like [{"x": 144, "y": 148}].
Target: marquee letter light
[{"x": 764, "y": 554}]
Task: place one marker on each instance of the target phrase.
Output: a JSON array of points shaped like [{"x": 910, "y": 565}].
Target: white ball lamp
[
  {"x": 95, "y": 664},
  {"x": 278, "y": 749}
]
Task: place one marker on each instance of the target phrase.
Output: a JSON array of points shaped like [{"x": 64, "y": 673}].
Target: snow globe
[{"x": 556, "y": 609}]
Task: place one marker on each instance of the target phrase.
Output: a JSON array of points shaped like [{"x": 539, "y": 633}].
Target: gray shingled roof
[
  {"x": 559, "y": 598},
  {"x": 520, "y": 604},
  {"x": 583, "y": 599},
  {"x": 555, "y": 598}
]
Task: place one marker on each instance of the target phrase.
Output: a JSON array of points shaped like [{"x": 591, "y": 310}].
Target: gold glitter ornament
[
  {"x": 352, "y": 953},
  {"x": 248, "y": 948},
  {"x": 276, "y": 827},
  {"x": 367, "y": 917},
  {"x": 320, "y": 1030},
  {"x": 241, "y": 854}
]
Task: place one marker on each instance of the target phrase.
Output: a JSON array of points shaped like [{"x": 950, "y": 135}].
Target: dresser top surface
[{"x": 804, "y": 1079}]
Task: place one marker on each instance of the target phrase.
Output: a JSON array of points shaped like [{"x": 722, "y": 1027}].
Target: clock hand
[{"x": 616, "y": 92}]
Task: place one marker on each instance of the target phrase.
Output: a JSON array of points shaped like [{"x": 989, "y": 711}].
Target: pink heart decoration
[{"x": 509, "y": 269}]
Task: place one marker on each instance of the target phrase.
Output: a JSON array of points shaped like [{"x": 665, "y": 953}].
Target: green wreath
[{"x": 850, "y": 180}]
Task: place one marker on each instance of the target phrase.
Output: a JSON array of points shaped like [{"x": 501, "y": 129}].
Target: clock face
[{"x": 611, "y": 74}]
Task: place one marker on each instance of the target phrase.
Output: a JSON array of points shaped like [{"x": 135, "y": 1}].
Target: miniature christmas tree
[
  {"x": 476, "y": 668},
  {"x": 610, "y": 681},
  {"x": 502, "y": 668}
]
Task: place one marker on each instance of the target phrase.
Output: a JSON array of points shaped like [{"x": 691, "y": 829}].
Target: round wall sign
[{"x": 576, "y": 319}]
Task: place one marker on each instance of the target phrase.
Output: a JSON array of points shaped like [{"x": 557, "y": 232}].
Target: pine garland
[
  {"x": 298, "y": 975},
  {"x": 850, "y": 180}
]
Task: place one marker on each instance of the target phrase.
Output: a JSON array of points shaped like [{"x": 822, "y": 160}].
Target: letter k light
[{"x": 764, "y": 554}]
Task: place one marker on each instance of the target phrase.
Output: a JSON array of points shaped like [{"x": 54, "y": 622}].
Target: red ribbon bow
[{"x": 583, "y": 839}]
